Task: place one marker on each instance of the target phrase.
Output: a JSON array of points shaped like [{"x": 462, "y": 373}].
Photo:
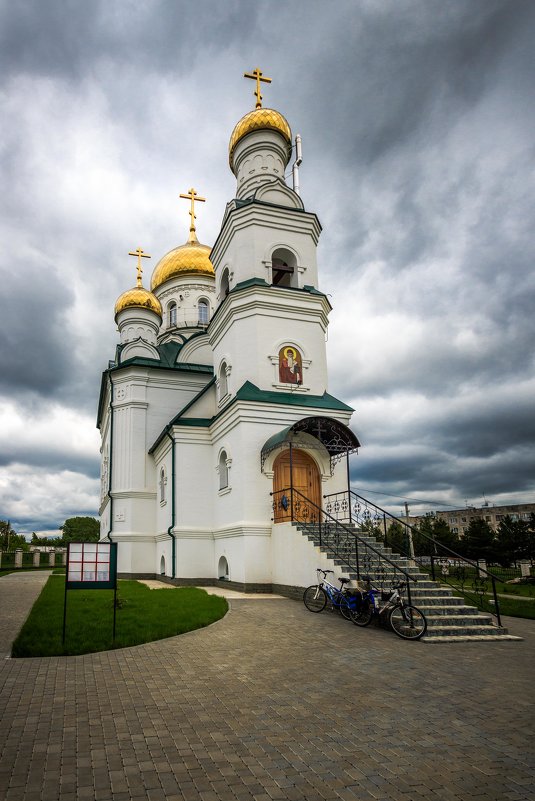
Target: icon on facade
[{"x": 290, "y": 366}]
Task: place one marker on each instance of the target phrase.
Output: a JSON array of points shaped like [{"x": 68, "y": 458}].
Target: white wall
[
  {"x": 256, "y": 323},
  {"x": 253, "y": 233},
  {"x": 295, "y": 558}
]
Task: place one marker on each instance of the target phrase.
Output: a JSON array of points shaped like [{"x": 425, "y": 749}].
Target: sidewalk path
[
  {"x": 273, "y": 703},
  {"x": 18, "y": 592}
]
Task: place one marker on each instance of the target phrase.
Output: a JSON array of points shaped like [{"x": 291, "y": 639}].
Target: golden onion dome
[
  {"x": 138, "y": 298},
  {"x": 189, "y": 258},
  {"x": 257, "y": 120}
]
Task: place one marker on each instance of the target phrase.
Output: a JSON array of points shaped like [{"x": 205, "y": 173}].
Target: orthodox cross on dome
[
  {"x": 193, "y": 196},
  {"x": 257, "y": 76},
  {"x": 140, "y": 255}
]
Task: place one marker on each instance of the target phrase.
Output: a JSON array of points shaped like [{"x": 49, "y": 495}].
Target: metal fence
[{"x": 32, "y": 560}]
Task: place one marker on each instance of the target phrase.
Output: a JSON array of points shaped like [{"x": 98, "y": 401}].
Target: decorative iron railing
[
  {"x": 360, "y": 556},
  {"x": 441, "y": 563}
]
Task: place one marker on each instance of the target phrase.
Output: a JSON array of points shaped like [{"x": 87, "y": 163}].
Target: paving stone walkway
[
  {"x": 18, "y": 592},
  {"x": 273, "y": 703}
]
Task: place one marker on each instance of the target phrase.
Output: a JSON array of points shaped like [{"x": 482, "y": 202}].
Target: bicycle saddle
[{"x": 344, "y": 581}]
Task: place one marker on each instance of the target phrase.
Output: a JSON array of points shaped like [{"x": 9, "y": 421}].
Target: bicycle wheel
[
  {"x": 315, "y": 598},
  {"x": 363, "y": 615},
  {"x": 408, "y": 622},
  {"x": 345, "y": 609}
]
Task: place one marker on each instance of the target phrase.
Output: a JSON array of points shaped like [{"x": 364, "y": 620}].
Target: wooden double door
[{"x": 301, "y": 473}]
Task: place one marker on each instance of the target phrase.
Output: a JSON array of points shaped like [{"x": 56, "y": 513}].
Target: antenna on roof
[{"x": 297, "y": 163}]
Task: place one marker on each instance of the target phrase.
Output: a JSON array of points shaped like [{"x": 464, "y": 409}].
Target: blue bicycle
[{"x": 317, "y": 596}]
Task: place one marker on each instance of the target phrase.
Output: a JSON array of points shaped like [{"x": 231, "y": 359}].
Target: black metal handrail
[
  {"x": 292, "y": 505},
  {"x": 338, "y": 502}
]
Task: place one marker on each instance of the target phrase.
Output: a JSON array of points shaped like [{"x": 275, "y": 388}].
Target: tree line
[
  {"x": 512, "y": 541},
  {"x": 74, "y": 529}
]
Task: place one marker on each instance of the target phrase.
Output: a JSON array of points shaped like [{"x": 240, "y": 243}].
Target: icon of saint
[{"x": 290, "y": 366}]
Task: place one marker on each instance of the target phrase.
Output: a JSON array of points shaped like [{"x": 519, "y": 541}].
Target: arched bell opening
[{"x": 284, "y": 268}]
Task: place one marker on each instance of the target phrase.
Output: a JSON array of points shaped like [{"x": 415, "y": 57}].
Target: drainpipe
[
  {"x": 171, "y": 527},
  {"x": 110, "y": 463},
  {"x": 349, "y": 489},
  {"x": 291, "y": 484}
]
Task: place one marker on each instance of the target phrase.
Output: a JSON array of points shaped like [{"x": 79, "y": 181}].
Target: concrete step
[
  {"x": 471, "y": 638},
  {"x": 447, "y": 608},
  {"x": 449, "y": 618},
  {"x": 464, "y": 630},
  {"x": 434, "y": 602},
  {"x": 461, "y": 620}
]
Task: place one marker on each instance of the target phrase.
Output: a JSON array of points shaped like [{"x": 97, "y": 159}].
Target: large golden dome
[
  {"x": 189, "y": 258},
  {"x": 257, "y": 120},
  {"x": 138, "y": 298}
]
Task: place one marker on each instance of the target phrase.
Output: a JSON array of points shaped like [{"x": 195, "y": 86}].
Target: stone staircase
[{"x": 449, "y": 618}]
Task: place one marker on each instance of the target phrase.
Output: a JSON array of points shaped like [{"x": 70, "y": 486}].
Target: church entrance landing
[
  {"x": 294, "y": 468},
  {"x": 296, "y": 476}
]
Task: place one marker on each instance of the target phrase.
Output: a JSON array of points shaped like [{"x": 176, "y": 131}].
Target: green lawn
[
  {"x": 514, "y": 608},
  {"x": 524, "y": 606},
  {"x": 524, "y": 590},
  {"x": 143, "y": 615}
]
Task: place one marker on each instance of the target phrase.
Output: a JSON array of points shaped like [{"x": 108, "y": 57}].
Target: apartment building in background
[{"x": 459, "y": 519}]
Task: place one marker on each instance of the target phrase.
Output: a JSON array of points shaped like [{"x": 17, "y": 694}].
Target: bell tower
[{"x": 270, "y": 322}]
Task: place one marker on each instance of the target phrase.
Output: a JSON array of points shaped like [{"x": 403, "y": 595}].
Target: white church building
[{"x": 215, "y": 417}]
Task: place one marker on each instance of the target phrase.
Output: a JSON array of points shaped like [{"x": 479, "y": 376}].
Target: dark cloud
[
  {"x": 51, "y": 459},
  {"x": 35, "y": 355},
  {"x": 438, "y": 478},
  {"x": 489, "y": 429},
  {"x": 64, "y": 39},
  {"x": 398, "y": 65},
  {"x": 417, "y": 122}
]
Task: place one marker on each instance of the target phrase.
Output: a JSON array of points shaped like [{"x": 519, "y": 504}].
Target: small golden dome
[
  {"x": 138, "y": 298},
  {"x": 257, "y": 120},
  {"x": 189, "y": 258}
]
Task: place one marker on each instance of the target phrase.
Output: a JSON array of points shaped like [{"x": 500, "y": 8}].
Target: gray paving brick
[{"x": 271, "y": 704}]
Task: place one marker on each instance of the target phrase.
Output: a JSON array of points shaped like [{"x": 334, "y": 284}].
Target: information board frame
[
  {"x": 91, "y": 566},
  {"x": 87, "y": 558}
]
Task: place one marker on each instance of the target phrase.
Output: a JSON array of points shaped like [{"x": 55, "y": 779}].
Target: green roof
[
  {"x": 168, "y": 353},
  {"x": 250, "y": 392},
  {"x": 249, "y": 282}
]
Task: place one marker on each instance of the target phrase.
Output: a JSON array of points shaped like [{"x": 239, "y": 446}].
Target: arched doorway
[
  {"x": 300, "y": 472},
  {"x": 162, "y": 566}
]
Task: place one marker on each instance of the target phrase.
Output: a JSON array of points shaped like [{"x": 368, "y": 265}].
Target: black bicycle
[{"x": 406, "y": 620}]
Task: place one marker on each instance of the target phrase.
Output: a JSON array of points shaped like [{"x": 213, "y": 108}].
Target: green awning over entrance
[
  {"x": 335, "y": 437},
  {"x": 277, "y": 439}
]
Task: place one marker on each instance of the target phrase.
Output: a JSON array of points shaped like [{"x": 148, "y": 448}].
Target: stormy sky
[{"x": 417, "y": 120}]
